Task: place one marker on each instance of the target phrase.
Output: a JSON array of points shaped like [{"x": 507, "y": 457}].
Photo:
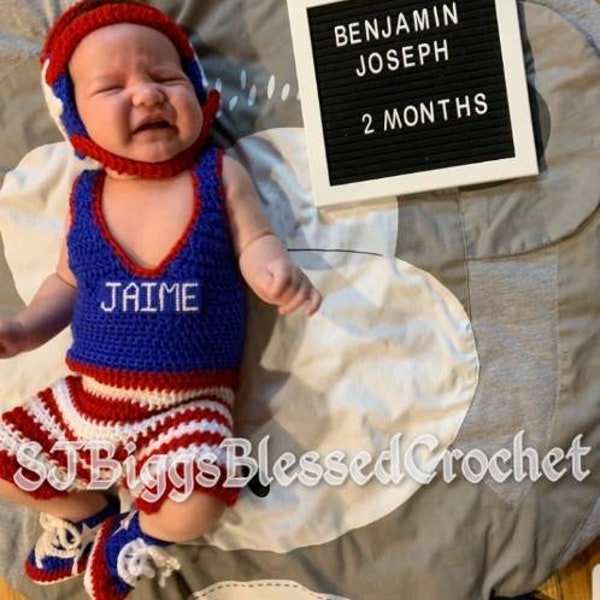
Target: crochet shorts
[{"x": 81, "y": 434}]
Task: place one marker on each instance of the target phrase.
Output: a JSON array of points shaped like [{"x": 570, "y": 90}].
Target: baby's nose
[{"x": 148, "y": 93}]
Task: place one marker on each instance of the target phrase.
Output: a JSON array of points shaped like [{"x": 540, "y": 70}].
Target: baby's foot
[
  {"x": 121, "y": 554},
  {"x": 63, "y": 549}
]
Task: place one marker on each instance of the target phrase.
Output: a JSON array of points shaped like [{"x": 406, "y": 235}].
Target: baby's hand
[
  {"x": 274, "y": 278},
  {"x": 13, "y": 338},
  {"x": 285, "y": 285}
]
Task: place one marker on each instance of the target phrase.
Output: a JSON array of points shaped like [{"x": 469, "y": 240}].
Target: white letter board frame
[{"x": 524, "y": 163}]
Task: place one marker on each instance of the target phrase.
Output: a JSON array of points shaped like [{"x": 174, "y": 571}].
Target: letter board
[{"x": 400, "y": 96}]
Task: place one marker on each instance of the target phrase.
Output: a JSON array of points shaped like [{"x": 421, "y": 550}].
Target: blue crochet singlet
[{"x": 178, "y": 325}]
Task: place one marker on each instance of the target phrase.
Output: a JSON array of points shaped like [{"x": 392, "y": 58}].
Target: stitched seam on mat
[
  {"x": 463, "y": 229},
  {"x": 552, "y": 424},
  {"x": 567, "y": 545},
  {"x": 266, "y": 584},
  {"x": 558, "y": 356}
]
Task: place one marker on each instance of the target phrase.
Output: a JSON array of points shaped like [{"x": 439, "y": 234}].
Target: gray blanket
[{"x": 469, "y": 315}]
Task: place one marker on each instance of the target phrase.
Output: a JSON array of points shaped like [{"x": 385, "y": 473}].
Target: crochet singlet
[{"x": 178, "y": 326}]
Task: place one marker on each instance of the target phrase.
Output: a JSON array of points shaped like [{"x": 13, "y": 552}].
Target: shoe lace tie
[
  {"x": 136, "y": 558},
  {"x": 62, "y": 539}
]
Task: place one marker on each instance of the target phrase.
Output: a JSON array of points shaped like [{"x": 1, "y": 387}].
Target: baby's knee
[{"x": 183, "y": 521}]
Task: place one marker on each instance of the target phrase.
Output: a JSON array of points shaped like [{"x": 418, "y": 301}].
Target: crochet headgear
[{"x": 64, "y": 36}]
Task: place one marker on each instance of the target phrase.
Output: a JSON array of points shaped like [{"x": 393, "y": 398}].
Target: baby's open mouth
[{"x": 153, "y": 125}]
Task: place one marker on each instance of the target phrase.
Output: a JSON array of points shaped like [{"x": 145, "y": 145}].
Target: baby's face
[{"x": 132, "y": 93}]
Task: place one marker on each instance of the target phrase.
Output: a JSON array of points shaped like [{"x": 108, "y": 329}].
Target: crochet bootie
[
  {"x": 121, "y": 554},
  {"x": 63, "y": 549}
]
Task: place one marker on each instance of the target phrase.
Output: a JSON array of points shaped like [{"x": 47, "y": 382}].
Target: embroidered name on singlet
[{"x": 151, "y": 297}]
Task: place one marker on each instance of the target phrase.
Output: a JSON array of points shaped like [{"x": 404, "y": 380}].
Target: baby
[{"x": 151, "y": 272}]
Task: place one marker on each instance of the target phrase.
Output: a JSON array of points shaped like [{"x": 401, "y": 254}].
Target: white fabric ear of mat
[{"x": 391, "y": 352}]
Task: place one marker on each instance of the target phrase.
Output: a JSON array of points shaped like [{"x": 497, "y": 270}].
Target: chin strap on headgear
[{"x": 64, "y": 36}]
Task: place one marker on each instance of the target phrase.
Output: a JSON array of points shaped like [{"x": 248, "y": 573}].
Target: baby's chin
[{"x": 157, "y": 152}]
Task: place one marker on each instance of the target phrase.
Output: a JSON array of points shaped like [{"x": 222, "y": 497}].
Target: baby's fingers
[
  {"x": 296, "y": 301},
  {"x": 306, "y": 295},
  {"x": 314, "y": 302}
]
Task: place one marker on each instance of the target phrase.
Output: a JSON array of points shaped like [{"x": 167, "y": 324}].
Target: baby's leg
[
  {"x": 73, "y": 507},
  {"x": 183, "y": 521}
]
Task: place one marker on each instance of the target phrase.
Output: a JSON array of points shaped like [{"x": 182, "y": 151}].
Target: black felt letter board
[{"x": 408, "y": 86}]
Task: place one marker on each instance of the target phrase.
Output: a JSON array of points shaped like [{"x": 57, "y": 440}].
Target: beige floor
[
  {"x": 6, "y": 593},
  {"x": 574, "y": 582}
]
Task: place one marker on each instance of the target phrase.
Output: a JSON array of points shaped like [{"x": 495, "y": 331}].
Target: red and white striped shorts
[{"x": 158, "y": 444}]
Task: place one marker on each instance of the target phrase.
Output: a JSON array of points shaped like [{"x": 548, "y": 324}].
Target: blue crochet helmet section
[{"x": 63, "y": 89}]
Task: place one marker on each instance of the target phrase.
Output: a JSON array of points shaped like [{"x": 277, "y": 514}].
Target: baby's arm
[
  {"x": 47, "y": 315},
  {"x": 264, "y": 261}
]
